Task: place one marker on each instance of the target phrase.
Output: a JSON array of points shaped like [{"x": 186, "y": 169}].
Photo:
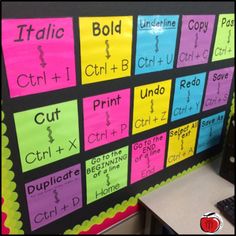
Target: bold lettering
[
  {"x": 20, "y": 34},
  {"x": 96, "y": 29},
  {"x": 36, "y": 118}
]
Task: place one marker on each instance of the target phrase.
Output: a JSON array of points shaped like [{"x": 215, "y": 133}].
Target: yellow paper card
[
  {"x": 151, "y": 106},
  {"x": 224, "y": 42},
  {"x": 182, "y": 142},
  {"x": 105, "y": 45}
]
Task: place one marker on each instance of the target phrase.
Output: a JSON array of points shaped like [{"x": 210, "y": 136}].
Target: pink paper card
[
  {"x": 148, "y": 157},
  {"x": 39, "y": 55},
  {"x": 106, "y": 118}
]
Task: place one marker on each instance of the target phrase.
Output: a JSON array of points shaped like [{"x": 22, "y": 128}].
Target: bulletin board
[{"x": 105, "y": 101}]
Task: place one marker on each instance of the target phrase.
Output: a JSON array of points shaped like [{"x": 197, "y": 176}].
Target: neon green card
[
  {"x": 106, "y": 174},
  {"x": 224, "y": 41},
  {"x": 47, "y": 134}
]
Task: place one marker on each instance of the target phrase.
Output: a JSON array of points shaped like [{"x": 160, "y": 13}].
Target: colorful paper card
[
  {"x": 47, "y": 134},
  {"x": 181, "y": 143},
  {"x": 54, "y": 196},
  {"x": 148, "y": 157},
  {"x": 188, "y": 96},
  {"x": 195, "y": 41},
  {"x": 105, "y": 102},
  {"x": 151, "y": 106},
  {"x": 218, "y": 88},
  {"x": 106, "y": 118},
  {"x": 224, "y": 41},
  {"x": 106, "y": 174},
  {"x": 38, "y": 54},
  {"x": 105, "y": 45},
  {"x": 156, "y": 40},
  {"x": 210, "y": 131}
]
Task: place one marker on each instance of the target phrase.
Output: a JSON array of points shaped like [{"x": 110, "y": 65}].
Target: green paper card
[
  {"x": 224, "y": 42},
  {"x": 106, "y": 174},
  {"x": 47, "y": 134}
]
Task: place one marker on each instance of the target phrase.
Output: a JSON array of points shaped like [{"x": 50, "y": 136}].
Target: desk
[{"x": 181, "y": 203}]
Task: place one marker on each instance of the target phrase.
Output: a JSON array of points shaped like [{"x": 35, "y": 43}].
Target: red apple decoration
[{"x": 209, "y": 224}]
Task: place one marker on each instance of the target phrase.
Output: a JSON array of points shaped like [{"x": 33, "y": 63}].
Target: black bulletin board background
[{"x": 75, "y": 10}]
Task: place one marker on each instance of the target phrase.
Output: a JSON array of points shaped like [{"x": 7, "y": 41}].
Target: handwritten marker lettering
[
  {"x": 224, "y": 40},
  {"x": 148, "y": 157},
  {"x": 218, "y": 87},
  {"x": 67, "y": 73},
  {"x": 210, "y": 131},
  {"x": 102, "y": 125},
  {"x": 53, "y": 188},
  {"x": 51, "y": 139},
  {"x": 157, "y": 42},
  {"x": 196, "y": 41},
  {"x": 147, "y": 99},
  {"x": 188, "y": 95},
  {"x": 106, "y": 36},
  {"x": 41, "y": 56},
  {"x": 54, "y": 142},
  {"x": 57, "y": 200},
  {"x": 107, "y": 119},
  {"x": 49, "y": 32},
  {"x": 108, "y": 182},
  {"x": 161, "y": 32},
  {"x": 229, "y": 36},
  {"x": 152, "y": 103},
  {"x": 188, "y": 98},
  {"x": 148, "y": 162},
  {"x": 106, "y": 174},
  {"x": 197, "y": 30},
  {"x": 107, "y": 49},
  {"x": 48, "y": 45},
  {"x": 182, "y": 142}
]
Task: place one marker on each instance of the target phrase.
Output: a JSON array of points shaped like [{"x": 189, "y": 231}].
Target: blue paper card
[
  {"x": 210, "y": 131},
  {"x": 188, "y": 96},
  {"x": 156, "y": 40}
]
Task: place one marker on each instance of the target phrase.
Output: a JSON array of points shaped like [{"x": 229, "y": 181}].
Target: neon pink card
[
  {"x": 148, "y": 157},
  {"x": 39, "y": 55},
  {"x": 106, "y": 118}
]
